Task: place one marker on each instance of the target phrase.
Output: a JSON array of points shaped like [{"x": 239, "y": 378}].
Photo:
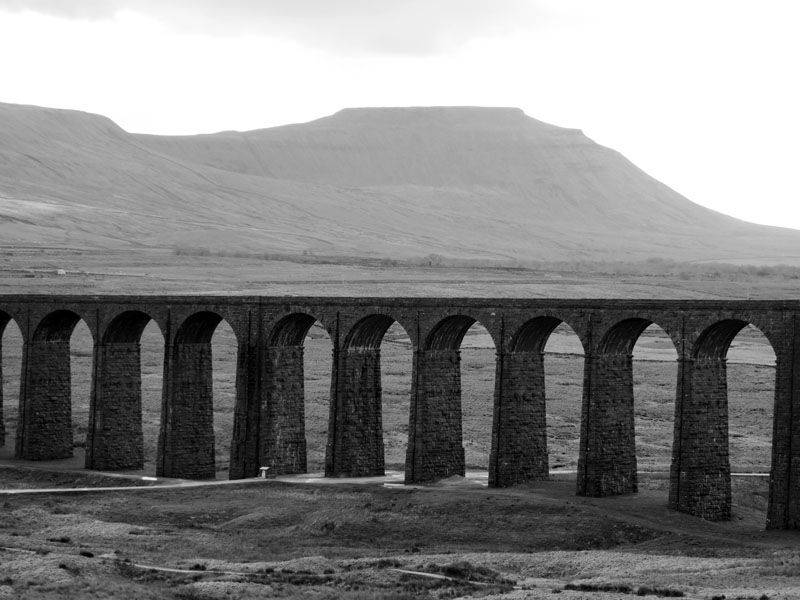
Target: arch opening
[
  {"x": 81, "y": 361},
  {"x": 224, "y": 354},
  {"x": 10, "y": 369},
  {"x": 563, "y": 387},
  {"x": 655, "y": 371},
  {"x": 396, "y": 366},
  {"x": 478, "y": 371},
  {"x": 151, "y": 342},
  {"x": 317, "y": 360},
  {"x": 751, "y": 378}
]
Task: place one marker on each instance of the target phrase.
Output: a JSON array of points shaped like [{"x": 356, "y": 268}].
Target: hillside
[{"x": 475, "y": 184}]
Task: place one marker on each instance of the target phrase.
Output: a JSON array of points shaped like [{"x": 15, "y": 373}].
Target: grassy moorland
[{"x": 296, "y": 540}]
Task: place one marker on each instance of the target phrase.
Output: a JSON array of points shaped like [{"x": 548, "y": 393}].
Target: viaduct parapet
[{"x": 269, "y": 427}]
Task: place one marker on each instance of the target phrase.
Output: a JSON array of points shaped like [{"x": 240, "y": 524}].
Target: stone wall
[
  {"x": 519, "y": 434},
  {"x": 607, "y": 459},
  {"x": 186, "y": 438},
  {"x": 114, "y": 439},
  {"x": 283, "y": 418},
  {"x": 435, "y": 447},
  {"x": 700, "y": 478},
  {"x": 355, "y": 434},
  {"x": 45, "y": 420}
]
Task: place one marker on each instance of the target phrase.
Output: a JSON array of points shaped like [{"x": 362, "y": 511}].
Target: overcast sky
[{"x": 702, "y": 94}]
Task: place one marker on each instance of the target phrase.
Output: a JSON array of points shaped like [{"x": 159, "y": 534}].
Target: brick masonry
[{"x": 269, "y": 419}]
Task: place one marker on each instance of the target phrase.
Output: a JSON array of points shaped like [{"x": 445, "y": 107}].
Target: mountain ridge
[{"x": 396, "y": 183}]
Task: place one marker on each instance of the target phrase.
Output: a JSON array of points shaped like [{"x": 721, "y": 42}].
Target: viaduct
[{"x": 269, "y": 411}]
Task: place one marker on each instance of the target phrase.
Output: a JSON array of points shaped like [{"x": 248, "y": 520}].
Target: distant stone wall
[{"x": 269, "y": 419}]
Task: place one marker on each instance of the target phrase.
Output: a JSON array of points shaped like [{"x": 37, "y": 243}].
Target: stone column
[
  {"x": 355, "y": 435},
  {"x": 283, "y": 428},
  {"x": 435, "y": 447},
  {"x": 246, "y": 442},
  {"x": 700, "y": 477},
  {"x": 783, "y": 511},
  {"x": 44, "y": 431},
  {"x": 114, "y": 440},
  {"x": 519, "y": 431},
  {"x": 607, "y": 459},
  {"x": 186, "y": 438}
]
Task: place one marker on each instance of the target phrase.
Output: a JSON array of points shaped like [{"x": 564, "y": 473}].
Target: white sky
[{"x": 702, "y": 94}]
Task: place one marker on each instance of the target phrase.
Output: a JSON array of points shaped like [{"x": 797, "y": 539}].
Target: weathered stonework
[
  {"x": 355, "y": 434},
  {"x": 519, "y": 434},
  {"x": 269, "y": 413},
  {"x": 283, "y": 421},
  {"x": 186, "y": 438},
  {"x": 435, "y": 447},
  {"x": 114, "y": 441},
  {"x": 607, "y": 458},
  {"x": 45, "y": 420}
]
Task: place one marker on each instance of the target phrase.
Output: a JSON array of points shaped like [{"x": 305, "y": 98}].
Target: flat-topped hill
[{"x": 463, "y": 183}]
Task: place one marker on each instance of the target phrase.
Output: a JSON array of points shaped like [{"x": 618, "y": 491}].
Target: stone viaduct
[{"x": 269, "y": 410}]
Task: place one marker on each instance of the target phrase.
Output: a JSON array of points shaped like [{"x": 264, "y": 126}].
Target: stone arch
[
  {"x": 368, "y": 332},
  {"x": 44, "y": 430},
  {"x": 448, "y": 333},
  {"x": 520, "y": 431},
  {"x": 701, "y": 467},
  {"x": 293, "y": 424},
  {"x": 607, "y": 463},
  {"x": 291, "y": 330},
  {"x": 357, "y": 436},
  {"x": 621, "y": 337},
  {"x": 198, "y": 328},
  {"x": 115, "y": 437},
  {"x": 186, "y": 440},
  {"x": 436, "y": 423},
  {"x": 742, "y": 358},
  {"x": 56, "y": 326},
  {"x": 532, "y": 336},
  {"x": 126, "y": 327}
]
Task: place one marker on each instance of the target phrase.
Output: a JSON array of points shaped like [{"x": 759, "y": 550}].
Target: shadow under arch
[
  {"x": 356, "y": 442},
  {"x": 435, "y": 432},
  {"x": 115, "y": 439},
  {"x": 701, "y": 466},
  {"x": 186, "y": 446},
  {"x": 44, "y": 430},
  {"x": 279, "y": 425},
  {"x": 519, "y": 434},
  {"x": 10, "y": 366}
]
